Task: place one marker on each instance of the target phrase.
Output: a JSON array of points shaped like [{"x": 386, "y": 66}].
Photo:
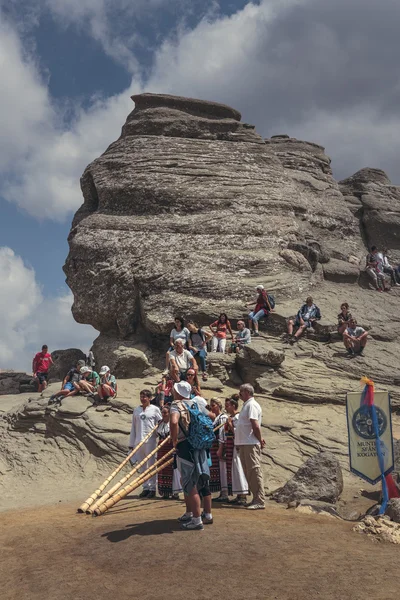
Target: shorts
[
  {"x": 42, "y": 377},
  {"x": 69, "y": 386},
  {"x": 109, "y": 393},
  {"x": 306, "y": 323}
]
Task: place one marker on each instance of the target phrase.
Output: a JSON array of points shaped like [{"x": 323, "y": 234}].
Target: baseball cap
[
  {"x": 104, "y": 370},
  {"x": 260, "y": 287},
  {"x": 80, "y": 363},
  {"x": 183, "y": 388},
  {"x": 86, "y": 370}
]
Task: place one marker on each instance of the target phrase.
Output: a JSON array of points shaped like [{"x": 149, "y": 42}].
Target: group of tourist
[
  {"x": 377, "y": 265},
  {"x": 231, "y": 465}
]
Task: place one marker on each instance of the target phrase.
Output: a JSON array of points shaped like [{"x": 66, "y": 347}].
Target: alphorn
[
  {"x": 107, "y": 501},
  {"x": 97, "y": 493},
  {"x": 150, "y": 472},
  {"x": 121, "y": 482}
]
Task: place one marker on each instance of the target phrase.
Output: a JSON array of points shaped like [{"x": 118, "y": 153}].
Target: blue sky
[{"x": 317, "y": 70}]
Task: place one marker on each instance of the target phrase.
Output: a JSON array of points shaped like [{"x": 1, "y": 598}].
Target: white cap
[
  {"x": 104, "y": 370},
  {"x": 260, "y": 287},
  {"x": 85, "y": 370},
  {"x": 183, "y": 388}
]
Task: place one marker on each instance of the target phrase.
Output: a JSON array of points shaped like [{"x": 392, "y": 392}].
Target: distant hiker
[
  {"x": 179, "y": 332},
  {"x": 249, "y": 441},
  {"x": 242, "y": 338},
  {"x": 108, "y": 384},
  {"x": 90, "y": 360},
  {"x": 219, "y": 329},
  {"x": 89, "y": 382},
  {"x": 145, "y": 418},
  {"x": 169, "y": 479},
  {"x": 355, "y": 338},
  {"x": 343, "y": 317},
  {"x": 218, "y": 475},
  {"x": 374, "y": 269},
  {"x": 198, "y": 339},
  {"x": 192, "y": 463},
  {"x": 307, "y": 316},
  {"x": 236, "y": 476},
  {"x": 163, "y": 395},
  {"x": 40, "y": 367},
  {"x": 387, "y": 268},
  {"x": 180, "y": 361},
  {"x": 262, "y": 309}
]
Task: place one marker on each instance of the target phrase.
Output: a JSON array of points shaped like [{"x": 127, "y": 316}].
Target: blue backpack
[
  {"x": 271, "y": 300},
  {"x": 201, "y": 431}
]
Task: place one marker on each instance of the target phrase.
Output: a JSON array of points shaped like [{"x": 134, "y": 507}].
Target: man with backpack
[{"x": 191, "y": 430}]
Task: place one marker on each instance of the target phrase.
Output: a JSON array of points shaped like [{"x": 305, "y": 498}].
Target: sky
[{"x": 317, "y": 70}]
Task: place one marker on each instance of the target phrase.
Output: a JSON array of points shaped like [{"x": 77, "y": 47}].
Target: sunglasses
[{"x": 190, "y": 374}]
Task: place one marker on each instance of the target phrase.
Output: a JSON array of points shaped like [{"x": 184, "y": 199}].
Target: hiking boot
[
  {"x": 256, "y": 334},
  {"x": 151, "y": 494},
  {"x": 185, "y": 518},
  {"x": 205, "y": 520},
  {"x": 350, "y": 351},
  {"x": 256, "y": 507},
  {"x": 191, "y": 526},
  {"x": 176, "y": 496},
  {"x": 144, "y": 494}
]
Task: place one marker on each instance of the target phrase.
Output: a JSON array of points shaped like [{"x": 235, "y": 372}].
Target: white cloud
[
  {"x": 290, "y": 66},
  {"x": 28, "y": 320}
]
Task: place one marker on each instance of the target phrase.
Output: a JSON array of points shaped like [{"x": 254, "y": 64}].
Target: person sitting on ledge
[
  {"x": 343, "y": 317},
  {"x": 242, "y": 338},
  {"x": 374, "y": 269},
  {"x": 69, "y": 386},
  {"x": 180, "y": 361},
  {"x": 355, "y": 338},
  {"x": 308, "y": 314},
  {"x": 261, "y": 310},
  {"x": 198, "y": 345},
  {"x": 108, "y": 385},
  {"x": 89, "y": 381},
  {"x": 387, "y": 268}
]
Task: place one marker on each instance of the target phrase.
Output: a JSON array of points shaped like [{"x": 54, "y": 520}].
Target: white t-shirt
[
  {"x": 143, "y": 421},
  {"x": 183, "y": 361},
  {"x": 243, "y": 431},
  {"x": 180, "y": 335}
]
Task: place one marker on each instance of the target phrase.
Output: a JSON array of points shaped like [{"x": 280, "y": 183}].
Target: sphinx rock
[{"x": 188, "y": 210}]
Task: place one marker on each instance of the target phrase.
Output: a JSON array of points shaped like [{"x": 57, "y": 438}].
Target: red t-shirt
[
  {"x": 42, "y": 362},
  {"x": 221, "y": 329}
]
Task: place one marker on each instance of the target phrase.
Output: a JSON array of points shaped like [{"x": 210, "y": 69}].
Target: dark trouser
[{"x": 393, "y": 275}]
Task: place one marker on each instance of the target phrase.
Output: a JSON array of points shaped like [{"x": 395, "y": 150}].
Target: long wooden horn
[
  {"x": 121, "y": 482},
  {"x": 97, "y": 493},
  {"x": 150, "y": 472}
]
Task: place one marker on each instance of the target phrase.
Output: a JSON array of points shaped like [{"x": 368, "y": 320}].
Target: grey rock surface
[
  {"x": 320, "y": 478},
  {"x": 393, "y": 509},
  {"x": 64, "y": 360},
  {"x": 126, "y": 359}
]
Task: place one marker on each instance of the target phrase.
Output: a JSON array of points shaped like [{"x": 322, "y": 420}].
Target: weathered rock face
[
  {"x": 320, "y": 478},
  {"x": 378, "y": 206},
  {"x": 188, "y": 209},
  {"x": 393, "y": 509},
  {"x": 63, "y": 361}
]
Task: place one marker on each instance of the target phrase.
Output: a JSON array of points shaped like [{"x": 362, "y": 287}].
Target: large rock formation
[{"x": 189, "y": 209}]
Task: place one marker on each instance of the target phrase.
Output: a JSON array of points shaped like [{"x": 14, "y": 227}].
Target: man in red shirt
[{"x": 40, "y": 367}]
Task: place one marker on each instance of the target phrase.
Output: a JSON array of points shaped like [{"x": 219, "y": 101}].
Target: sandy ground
[{"x": 137, "y": 551}]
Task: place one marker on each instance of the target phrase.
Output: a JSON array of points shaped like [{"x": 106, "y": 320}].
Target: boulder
[
  {"x": 12, "y": 381},
  {"x": 124, "y": 357},
  {"x": 261, "y": 352},
  {"x": 64, "y": 360},
  {"x": 221, "y": 365},
  {"x": 393, "y": 509},
  {"x": 320, "y": 478},
  {"x": 341, "y": 271},
  {"x": 296, "y": 260}
]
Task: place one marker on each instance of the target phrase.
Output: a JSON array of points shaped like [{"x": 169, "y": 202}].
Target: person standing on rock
[
  {"x": 221, "y": 325},
  {"x": 40, "y": 368},
  {"x": 261, "y": 310},
  {"x": 249, "y": 441},
  {"x": 308, "y": 314},
  {"x": 144, "y": 419},
  {"x": 90, "y": 360},
  {"x": 198, "y": 345}
]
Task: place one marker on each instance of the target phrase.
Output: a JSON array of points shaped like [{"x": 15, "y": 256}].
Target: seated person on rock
[
  {"x": 387, "y": 267},
  {"x": 69, "y": 386},
  {"x": 198, "y": 339},
  {"x": 355, "y": 338},
  {"x": 261, "y": 309},
  {"x": 343, "y": 317},
  {"x": 307, "y": 316},
  {"x": 180, "y": 360},
  {"x": 219, "y": 329},
  {"x": 242, "y": 338},
  {"x": 89, "y": 382},
  {"x": 163, "y": 394},
  {"x": 192, "y": 378},
  {"x": 179, "y": 332},
  {"x": 374, "y": 269},
  {"x": 108, "y": 384}
]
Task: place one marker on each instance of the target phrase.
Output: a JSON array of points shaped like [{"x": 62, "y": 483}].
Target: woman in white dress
[{"x": 240, "y": 486}]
